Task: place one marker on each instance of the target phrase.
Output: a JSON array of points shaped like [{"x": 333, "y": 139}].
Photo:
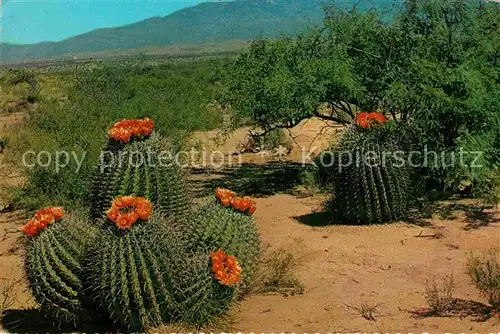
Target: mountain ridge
[{"x": 207, "y": 22}]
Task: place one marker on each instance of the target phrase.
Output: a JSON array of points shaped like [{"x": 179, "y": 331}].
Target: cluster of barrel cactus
[
  {"x": 143, "y": 255},
  {"x": 367, "y": 170}
]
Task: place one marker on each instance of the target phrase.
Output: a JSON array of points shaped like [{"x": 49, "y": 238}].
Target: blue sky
[{"x": 31, "y": 21}]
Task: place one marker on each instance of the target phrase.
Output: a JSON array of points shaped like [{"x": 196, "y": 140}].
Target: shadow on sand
[
  {"x": 253, "y": 179},
  {"x": 460, "y": 308},
  {"x": 34, "y": 321}
]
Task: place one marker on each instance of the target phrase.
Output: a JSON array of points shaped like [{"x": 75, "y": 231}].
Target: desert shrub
[
  {"x": 32, "y": 94},
  {"x": 276, "y": 138},
  {"x": 15, "y": 77},
  {"x": 439, "y": 297},
  {"x": 433, "y": 65},
  {"x": 276, "y": 274},
  {"x": 271, "y": 140},
  {"x": 480, "y": 164},
  {"x": 485, "y": 273},
  {"x": 310, "y": 180},
  {"x": 175, "y": 96}
]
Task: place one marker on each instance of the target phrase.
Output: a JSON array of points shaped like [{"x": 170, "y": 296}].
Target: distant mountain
[{"x": 207, "y": 22}]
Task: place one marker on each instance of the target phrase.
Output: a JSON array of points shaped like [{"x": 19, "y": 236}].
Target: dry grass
[
  {"x": 275, "y": 274},
  {"x": 223, "y": 324},
  {"x": 439, "y": 297},
  {"x": 485, "y": 273},
  {"x": 367, "y": 311},
  {"x": 8, "y": 294}
]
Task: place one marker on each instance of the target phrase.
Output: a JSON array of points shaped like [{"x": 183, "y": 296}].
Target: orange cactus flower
[
  {"x": 243, "y": 204},
  {"x": 252, "y": 209},
  {"x": 229, "y": 199},
  {"x": 225, "y": 268},
  {"x": 127, "y": 210},
  {"x": 42, "y": 219},
  {"x": 246, "y": 203},
  {"x": 367, "y": 120},
  {"x": 144, "y": 210},
  {"x": 30, "y": 230},
  {"x": 125, "y": 129},
  {"x": 378, "y": 117},
  {"x": 226, "y": 202},
  {"x": 57, "y": 212},
  {"x": 236, "y": 203},
  {"x": 221, "y": 193}
]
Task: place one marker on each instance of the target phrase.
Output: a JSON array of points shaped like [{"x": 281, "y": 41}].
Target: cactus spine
[
  {"x": 372, "y": 185},
  {"x": 53, "y": 266},
  {"x": 213, "y": 227},
  {"x": 135, "y": 169},
  {"x": 145, "y": 277}
]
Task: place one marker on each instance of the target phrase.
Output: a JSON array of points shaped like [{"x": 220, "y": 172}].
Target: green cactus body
[
  {"x": 214, "y": 227},
  {"x": 54, "y": 270},
  {"x": 136, "y": 169},
  {"x": 144, "y": 276},
  {"x": 370, "y": 185}
]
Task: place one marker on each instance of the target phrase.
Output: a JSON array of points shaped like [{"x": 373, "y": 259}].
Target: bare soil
[{"x": 356, "y": 278}]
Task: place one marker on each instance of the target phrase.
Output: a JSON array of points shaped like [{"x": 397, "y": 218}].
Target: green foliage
[
  {"x": 144, "y": 277},
  {"x": 139, "y": 169},
  {"x": 275, "y": 139},
  {"x": 212, "y": 227},
  {"x": 177, "y": 97},
  {"x": 434, "y": 65},
  {"x": 485, "y": 273},
  {"x": 54, "y": 268},
  {"x": 480, "y": 162},
  {"x": 278, "y": 84},
  {"x": 370, "y": 179},
  {"x": 15, "y": 77}
]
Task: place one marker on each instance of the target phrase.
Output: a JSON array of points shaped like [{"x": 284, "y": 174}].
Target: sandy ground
[{"x": 343, "y": 268}]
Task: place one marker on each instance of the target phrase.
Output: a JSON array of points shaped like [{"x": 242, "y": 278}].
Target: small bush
[
  {"x": 492, "y": 193},
  {"x": 20, "y": 76},
  {"x": 269, "y": 141},
  {"x": 309, "y": 180},
  {"x": 485, "y": 273},
  {"x": 176, "y": 97},
  {"x": 275, "y": 139},
  {"x": 275, "y": 274},
  {"x": 439, "y": 297}
]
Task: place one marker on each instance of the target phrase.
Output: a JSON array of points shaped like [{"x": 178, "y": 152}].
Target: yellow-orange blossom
[
  {"x": 127, "y": 210},
  {"x": 42, "y": 219},
  {"x": 225, "y": 268},
  {"x": 127, "y": 128},
  {"x": 228, "y": 198}
]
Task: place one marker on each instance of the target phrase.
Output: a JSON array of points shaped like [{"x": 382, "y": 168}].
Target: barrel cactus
[
  {"x": 217, "y": 225},
  {"x": 138, "y": 167},
  {"x": 370, "y": 180},
  {"x": 54, "y": 264},
  {"x": 141, "y": 273}
]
